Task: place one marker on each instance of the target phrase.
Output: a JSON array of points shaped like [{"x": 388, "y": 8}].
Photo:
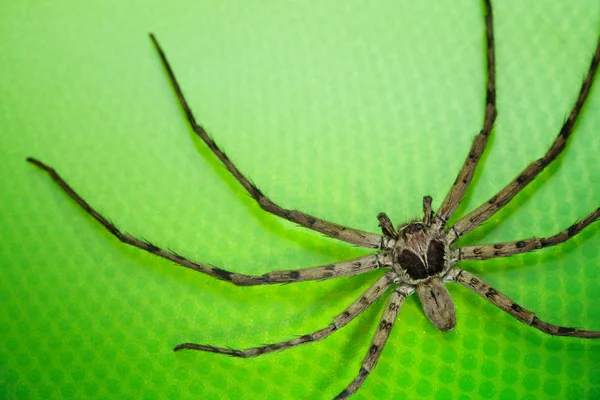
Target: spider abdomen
[{"x": 437, "y": 303}]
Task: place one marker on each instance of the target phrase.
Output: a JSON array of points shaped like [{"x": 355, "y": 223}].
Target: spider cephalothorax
[
  {"x": 419, "y": 256},
  {"x": 419, "y": 253}
]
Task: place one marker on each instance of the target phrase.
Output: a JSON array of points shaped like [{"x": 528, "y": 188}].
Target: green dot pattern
[{"x": 342, "y": 109}]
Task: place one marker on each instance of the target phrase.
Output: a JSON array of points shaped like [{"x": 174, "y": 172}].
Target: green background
[{"x": 341, "y": 109}]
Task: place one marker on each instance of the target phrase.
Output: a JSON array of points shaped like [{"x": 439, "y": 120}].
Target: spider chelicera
[{"x": 417, "y": 256}]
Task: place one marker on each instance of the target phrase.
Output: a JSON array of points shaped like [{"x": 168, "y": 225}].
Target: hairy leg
[
  {"x": 486, "y": 210},
  {"x": 457, "y": 192},
  {"x": 381, "y": 335},
  {"x": 344, "y": 268},
  {"x": 342, "y": 319},
  {"x": 483, "y": 289},
  {"x": 386, "y": 226},
  {"x": 486, "y": 251},
  {"x": 354, "y": 236}
]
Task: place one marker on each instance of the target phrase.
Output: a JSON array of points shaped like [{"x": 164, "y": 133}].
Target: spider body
[
  {"x": 419, "y": 253},
  {"x": 419, "y": 256}
]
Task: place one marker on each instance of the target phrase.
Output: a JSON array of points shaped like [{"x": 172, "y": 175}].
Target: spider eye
[{"x": 411, "y": 228}]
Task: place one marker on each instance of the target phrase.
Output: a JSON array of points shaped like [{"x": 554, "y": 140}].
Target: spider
[{"x": 419, "y": 256}]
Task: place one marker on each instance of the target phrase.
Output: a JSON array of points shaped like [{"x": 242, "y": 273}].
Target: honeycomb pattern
[{"x": 340, "y": 108}]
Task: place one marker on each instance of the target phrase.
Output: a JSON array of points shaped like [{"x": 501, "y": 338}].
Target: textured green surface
[{"x": 342, "y": 109}]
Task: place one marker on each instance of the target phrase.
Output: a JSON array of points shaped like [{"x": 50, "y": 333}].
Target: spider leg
[
  {"x": 381, "y": 335},
  {"x": 354, "y": 236},
  {"x": 486, "y": 210},
  {"x": 485, "y": 251},
  {"x": 366, "y": 299},
  {"x": 344, "y": 268},
  {"x": 455, "y": 196},
  {"x": 478, "y": 286},
  {"x": 386, "y": 226}
]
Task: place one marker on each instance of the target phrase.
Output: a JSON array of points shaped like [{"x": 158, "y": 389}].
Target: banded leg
[
  {"x": 455, "y": 196},
  {"x": 386, "y": 226},
  {"x": 480, "y": 287},
  {"x": 354, "y": 236},
  {"x": 486, "y": 251},
  {"x": 486, "y": 210},
  {"x": 361, "y": 304},
  {"x": 381, "y": 335},
  {"x": 344, "y": 268}
]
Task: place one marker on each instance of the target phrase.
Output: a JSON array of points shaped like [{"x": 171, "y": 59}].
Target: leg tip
[
  {"x": 180, "y": 347},
  {"x": 154, "y": 40},
  {"x": 37, "y": 163}
]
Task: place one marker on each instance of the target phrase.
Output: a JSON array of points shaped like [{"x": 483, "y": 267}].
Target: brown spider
[{"x": 418, "y": 256}]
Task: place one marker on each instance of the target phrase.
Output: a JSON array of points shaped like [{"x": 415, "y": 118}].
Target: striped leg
[
  {"x": 486, "y": 210},
  {"x": 381, "y": 335},
  {"x": 344, "y": 268},
  {"x": 454, "y": 197},
  {"x": 354, "y": 236},
  {"x": 486, "y": 251},
  {"x": 361, "y": 304},
  {"x": 478, "y": 286}
]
